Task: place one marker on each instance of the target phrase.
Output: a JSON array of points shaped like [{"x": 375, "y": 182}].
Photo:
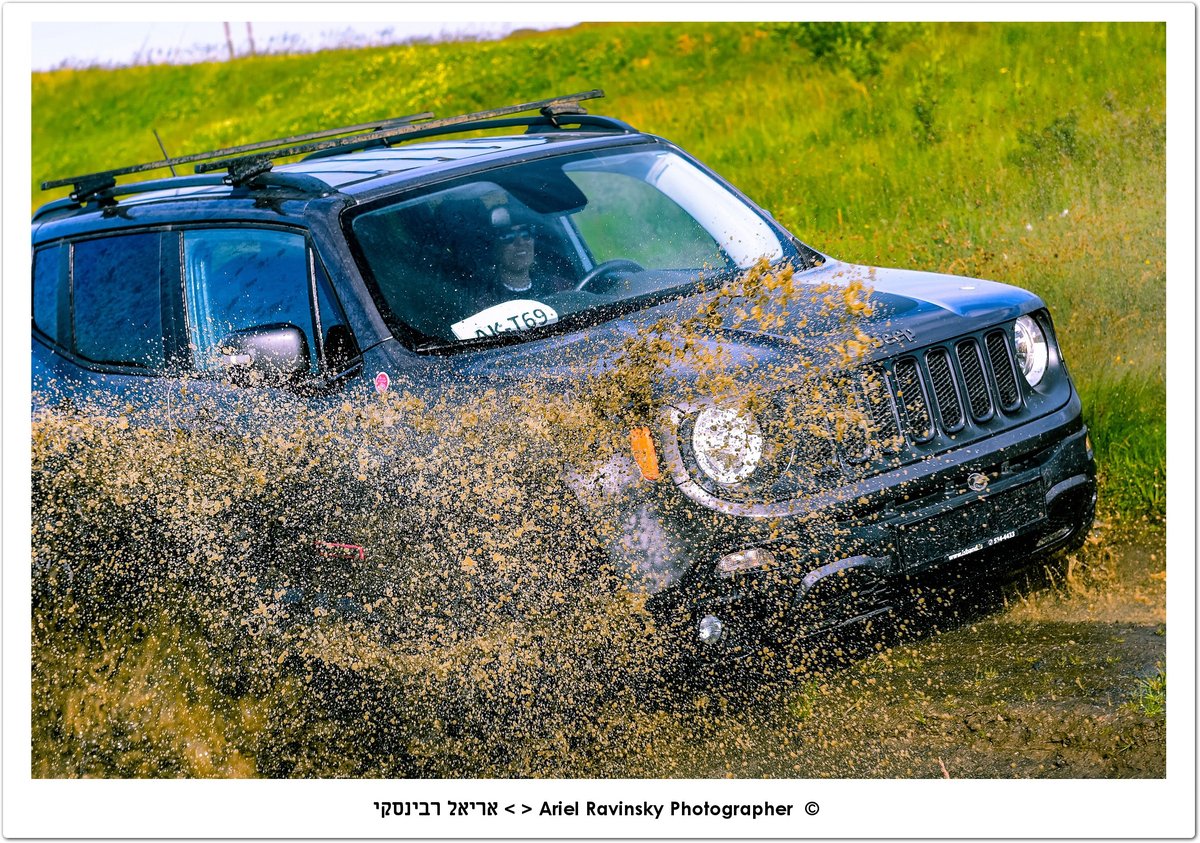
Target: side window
[
  {"x": 118, "y": 300},
  {"x": 46, "y": 289},
  {"x": 241, "y": 278}
]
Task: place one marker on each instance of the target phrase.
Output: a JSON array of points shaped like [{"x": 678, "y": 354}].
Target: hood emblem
[
  {"x": 903, "y": 335},
  {"x": 977, "y": 482}
]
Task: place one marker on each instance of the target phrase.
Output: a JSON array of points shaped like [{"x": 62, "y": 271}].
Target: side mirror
[{"x": 265, "y": 355}]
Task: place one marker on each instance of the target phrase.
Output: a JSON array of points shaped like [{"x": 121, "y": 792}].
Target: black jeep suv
[{"x": 929, "y": 426}]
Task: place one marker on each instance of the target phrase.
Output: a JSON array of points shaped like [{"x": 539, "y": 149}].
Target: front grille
[{"x": 958, "y": 389}]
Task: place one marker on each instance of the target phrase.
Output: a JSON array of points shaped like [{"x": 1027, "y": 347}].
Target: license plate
[{"x": 967, "y": 530}]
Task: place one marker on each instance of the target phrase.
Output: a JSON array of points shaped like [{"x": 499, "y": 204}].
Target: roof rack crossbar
[
  {"x": 84, "y": 184},
  {"x": 450, "y": 124},
  {"x": 177, "y": 183},
  {"x": 597, "y": 121}
]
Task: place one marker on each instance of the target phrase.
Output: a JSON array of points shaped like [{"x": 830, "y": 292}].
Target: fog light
[
  {"x": 711, "y": 629},
  {"x": 744, "y": 560},
  {"x": 1087, "y": 444}
]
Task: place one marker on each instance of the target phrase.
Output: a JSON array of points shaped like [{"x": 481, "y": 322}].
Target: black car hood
[{"x": 913, "y": 308}]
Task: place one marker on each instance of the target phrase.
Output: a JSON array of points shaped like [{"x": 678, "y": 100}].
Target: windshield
[{"x": 565, "y": 240}]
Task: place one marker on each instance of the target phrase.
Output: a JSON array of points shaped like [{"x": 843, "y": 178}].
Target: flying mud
[{"x": 396, "y": 586}]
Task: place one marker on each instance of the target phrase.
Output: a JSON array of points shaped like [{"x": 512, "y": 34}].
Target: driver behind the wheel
[
  {"x": 513, "y": 250},
  {"x": 499, "y": 255}
]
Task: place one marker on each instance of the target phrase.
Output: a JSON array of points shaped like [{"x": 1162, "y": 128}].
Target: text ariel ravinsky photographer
[{"x": 655, "y": 809}]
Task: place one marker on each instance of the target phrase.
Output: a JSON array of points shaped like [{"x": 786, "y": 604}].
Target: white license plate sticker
[
  {"x": 975, "y": 548},
  {"x": 515, "y": 315}
]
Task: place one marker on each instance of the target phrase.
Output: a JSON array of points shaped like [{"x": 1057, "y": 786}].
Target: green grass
[
  {"x": 1150, "y": 698},
  {"x": 952, "y": 147}
]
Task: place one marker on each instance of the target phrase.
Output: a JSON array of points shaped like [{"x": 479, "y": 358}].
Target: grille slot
[
  {"x": 881, "y": 411},
  {"x": 814, "y": 452},
  {"x": 913, "y": 400},
  {"x": 817, "y": 421},
  {"x": 1002, "y": 369},
  {"x": 974, "y": 379},
  {"x": 848, "y": 418},
  {"x": 942, "y": 375}
]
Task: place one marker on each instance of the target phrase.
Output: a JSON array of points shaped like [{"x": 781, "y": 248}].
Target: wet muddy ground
[
  {"x": 1065, "y": 679},
  {"x": 1029, "y": 680},
  {"x": 1046, "y": 684}
]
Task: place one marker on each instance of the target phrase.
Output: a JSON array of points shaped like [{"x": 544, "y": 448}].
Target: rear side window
[
  {"x": 117, "y": 300},
  {"x": 46, "y": 288}
]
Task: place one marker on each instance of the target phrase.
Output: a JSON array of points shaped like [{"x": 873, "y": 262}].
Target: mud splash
[
  {"x": 403, "y": 584},
  {"x": 227, "y": 583}
]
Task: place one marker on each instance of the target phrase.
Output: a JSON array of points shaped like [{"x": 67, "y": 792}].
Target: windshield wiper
[{"x": 503, "y": 338}]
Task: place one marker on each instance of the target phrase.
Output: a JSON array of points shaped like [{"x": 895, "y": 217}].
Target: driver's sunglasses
[{"x": 514, "y": 234}]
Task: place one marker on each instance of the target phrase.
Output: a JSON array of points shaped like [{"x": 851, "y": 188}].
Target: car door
[{"x": 268, "y": 351}]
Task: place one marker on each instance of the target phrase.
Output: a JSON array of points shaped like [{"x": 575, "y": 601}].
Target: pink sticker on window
[{"x": 382, "y": 382}]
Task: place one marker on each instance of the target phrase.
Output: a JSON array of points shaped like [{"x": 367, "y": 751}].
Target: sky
[{"x": 111, "y": 43}]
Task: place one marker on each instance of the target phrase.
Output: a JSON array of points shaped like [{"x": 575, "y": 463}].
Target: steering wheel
[{"x": 607, "y": 268}]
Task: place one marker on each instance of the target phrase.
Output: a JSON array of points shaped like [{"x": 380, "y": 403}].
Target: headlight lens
[
  {"x": 1032, "y": 352},
  {"x": 728, "y": 444}
]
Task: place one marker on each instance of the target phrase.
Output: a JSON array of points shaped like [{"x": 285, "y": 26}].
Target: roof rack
[
  {"x": 298, "y": 183},
  {"x": 107, "y": 197},
  {"x": 532, "y": 124},
  {"x": 90, "y": 186},
  {"x": 564, "y": 108},
  {"x": 248, "y": 169}
]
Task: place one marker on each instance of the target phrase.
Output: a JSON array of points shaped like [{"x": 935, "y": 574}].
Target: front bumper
[{"x": 854, "y": 556}]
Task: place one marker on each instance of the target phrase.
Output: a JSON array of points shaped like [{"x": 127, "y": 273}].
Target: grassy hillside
[{"x": 1028, "y": 153}]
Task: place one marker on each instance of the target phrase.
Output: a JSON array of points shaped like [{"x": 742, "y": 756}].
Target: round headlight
[
  {"x": 1032, "y": 352},
  {"x": 728, "y": 444}
]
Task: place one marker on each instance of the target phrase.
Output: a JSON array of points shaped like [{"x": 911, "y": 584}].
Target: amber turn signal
[{"x": 644, "y": 453}]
